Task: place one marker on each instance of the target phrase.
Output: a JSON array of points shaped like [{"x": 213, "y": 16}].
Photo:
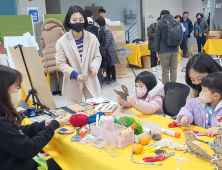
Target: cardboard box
[
  {"x": 121, "y": 70},
  {"x": 215, "y": 34},
  {"x": 116, "y": 27},
  {"x": 193, "y": 49},
  {"x": 122, "y": 58},
  {"x": 146, "y": 61},
  {"x": 120, "y": 40}
]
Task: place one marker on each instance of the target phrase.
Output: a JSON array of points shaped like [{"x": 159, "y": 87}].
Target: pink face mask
[
  {"x": 204, "y": 99},
  {"x": 141, "y": 92}
]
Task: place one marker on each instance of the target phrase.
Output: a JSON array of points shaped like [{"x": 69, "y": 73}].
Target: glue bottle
[
  {"x": 129, "y": 129},
  {"x": 82, "y": 132},
  {"x": 171, "y": 133}
]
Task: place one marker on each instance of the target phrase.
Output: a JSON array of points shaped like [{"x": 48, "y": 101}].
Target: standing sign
[{"x": 34, "y": 12}]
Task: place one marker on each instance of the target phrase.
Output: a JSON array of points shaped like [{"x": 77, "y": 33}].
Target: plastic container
[
  {"x": 171, "y": 133},
  {"x": 108, "y": 123}
]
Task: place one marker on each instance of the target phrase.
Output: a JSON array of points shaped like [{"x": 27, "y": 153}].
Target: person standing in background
[
  {"x": 91, "y": 28},
  {"x": 187, "y": 23},
  {"x": 151, "y": 33},
  {"x": 109, "y": 47},
  {"x": 102, "y": 13},
  {"x": 201, "y": 29},
  {"x": 52, "y": 30},
  {"x": 178, "y": 18}
]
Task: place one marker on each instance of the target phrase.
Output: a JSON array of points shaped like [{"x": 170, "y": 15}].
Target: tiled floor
[{"x": 128, "y": 81}]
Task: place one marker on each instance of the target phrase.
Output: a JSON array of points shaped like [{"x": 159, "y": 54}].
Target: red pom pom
[{"x": 78, "y": 120}]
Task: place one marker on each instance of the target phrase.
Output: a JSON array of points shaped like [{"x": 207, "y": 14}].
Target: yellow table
[
  {"x": 73, "y": 156},
  {"x": 138, "y": 51},
  {"x": 213, "y": 47}
]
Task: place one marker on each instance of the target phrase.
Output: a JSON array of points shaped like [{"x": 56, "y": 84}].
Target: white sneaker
[
  {"x": 153, "y": 69},
  {"x": 157, "y": 68}
]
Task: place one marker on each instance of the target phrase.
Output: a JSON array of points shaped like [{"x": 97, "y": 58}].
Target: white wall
[{"x": 114, "y": 8}]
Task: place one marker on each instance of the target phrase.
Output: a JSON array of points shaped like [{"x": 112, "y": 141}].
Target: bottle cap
[
  {"x": 133, "y": 126},
  {"x": 177, "y": 135},
  {"x": 108, "y": 119}
]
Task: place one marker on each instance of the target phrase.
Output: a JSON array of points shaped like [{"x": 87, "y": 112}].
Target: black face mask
[
  {"x": 77, "y": 26},
  {"x": 198, "y": 87},
  {"x": 198, "y": 20}
]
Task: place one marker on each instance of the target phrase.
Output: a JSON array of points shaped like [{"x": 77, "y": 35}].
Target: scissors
[
  {"x": 209, "y": 143},
  {"x": 77, "y": 137},
  {"x": 156, "y": 158}
]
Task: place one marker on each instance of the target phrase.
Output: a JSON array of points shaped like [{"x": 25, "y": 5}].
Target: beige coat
[
  {"x": 193, "y": 94},
  {"x": 68, "y": 59},
  {"x": 52, "y": 30}
]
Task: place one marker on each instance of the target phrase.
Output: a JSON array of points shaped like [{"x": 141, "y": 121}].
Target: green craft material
[
  {"x": 129, "y": 121},
  {"x": 138, "y": 130},
  {"x": 116, "y": 121}
]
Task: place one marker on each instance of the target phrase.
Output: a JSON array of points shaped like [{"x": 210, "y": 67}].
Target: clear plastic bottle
[{"x": 108, "y": 123}]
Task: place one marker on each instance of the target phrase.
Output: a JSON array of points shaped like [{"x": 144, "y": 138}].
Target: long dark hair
[
  {"x": 71, "y": 10},
  {"x": 148, "y": 79},
  {"x": 202, "y": 63},
  {"x": 8, "y": 77}
]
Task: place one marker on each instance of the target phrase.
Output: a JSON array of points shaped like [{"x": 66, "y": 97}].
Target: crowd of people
[{"x": 78, "y": 58}]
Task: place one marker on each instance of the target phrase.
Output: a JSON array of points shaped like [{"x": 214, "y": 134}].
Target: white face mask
[
  {"x": 141, "y": 92},
  {"x": 16, "y": 97},
  {"x": 204, "y": 99}
]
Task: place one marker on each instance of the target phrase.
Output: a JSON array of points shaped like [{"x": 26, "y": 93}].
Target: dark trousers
[
  {"x": 153, "y": 59},
  {"x": 52, "y": 165},
  {"x": 99, "y": 75},
  {"x": 184, "y": 46},
  {"x": 109, "y": 70},
  {"x": 199, "y": 43}
]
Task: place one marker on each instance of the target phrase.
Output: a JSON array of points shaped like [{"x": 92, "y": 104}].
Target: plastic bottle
[
  {"x": 82, "y": 132},
  {"x": 129, "y": 129},
  {"x": 171, "y": 133},
  {"x": 108, "y": 123}
]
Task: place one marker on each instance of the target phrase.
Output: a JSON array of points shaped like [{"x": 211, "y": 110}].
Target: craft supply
[
  {"x": 171, "y": 133},
  {"x": 40, "y": 118},
  {"x": 108, "y": 123},
  {"x": 123, "y": 94},
  {"x": 111, "y": 107},
  {"x": 157, "y": 158},
  {"x": 175, "y": 124},
  {"x": 147, "y": 163},
  {"x": 114, "y": 154},
  {"x": 181, "y": 160},
  {"x": 97, "y": 100},
  {"x": 139, "y": 129},
  {"x": 82, "y": 132},
  {"x": 157, "y": 152},
  {"x": 65, "y": 131},
  {"x": 76, "y": 107},
  {"x": 92, "y": 118},
  {"x": 170, "y": 144},
  {"x": 137, "y": 119},
  {"x": 109, "y": 147},
  {"x": 198, "y": 133},
  {"x": 86, "y": 105},
  {"x": 137, "y": 148},
  {"x": 101, "y": 121},
  {"x": 116, "y": 120},
  {"x": 85, "y": 140},
  {"x": 99, "y": 143},
  {"x": 77, "y": 137},
  {"x": 122, "y": 121},
  {"x": 129, "y": 129},
  {"x": 209, "y": 143},
  {"x": 156, "y": 137},
  {"x": 78, "y": 120}
]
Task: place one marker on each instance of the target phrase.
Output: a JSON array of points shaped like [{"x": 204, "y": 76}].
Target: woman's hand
[
  {"x": 131, "y": 100},
  {"x": 62, "y": 121},
  {"x": 120, "y": 100},
  {"x": 81, "y": 78},
  {"x": 212, "y": 131},
  {"x": 47, "y": 122},
  {"x": 94, "y": 72}
]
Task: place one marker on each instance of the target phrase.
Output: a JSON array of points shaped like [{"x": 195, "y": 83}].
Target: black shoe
[
  {"x": 59, "y": 93},
  {"x": 54, "y": 93}
]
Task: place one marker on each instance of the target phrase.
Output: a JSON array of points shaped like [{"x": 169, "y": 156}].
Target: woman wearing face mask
[
  {"x": 20, "y": 144},
  {"x": 197, "y": 68},
  {"x": 201, "y": 29},
  {"x": 78, "y": 57},
  {"x": 148, "y": 98}
]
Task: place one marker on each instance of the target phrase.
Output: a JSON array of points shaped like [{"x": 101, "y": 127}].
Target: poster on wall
[
  {"x": 150, "y": 17},
  {"x": 217, "y": 5},
  {"x": 95, "y": 11},
  {"x": 34, "y": 12}
]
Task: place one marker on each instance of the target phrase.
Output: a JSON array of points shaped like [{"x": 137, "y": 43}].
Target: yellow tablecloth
[
  {"x": 213, "y": 47},
  {"x": 73, "y": 156},
  {"x": 138, "y": 51}
]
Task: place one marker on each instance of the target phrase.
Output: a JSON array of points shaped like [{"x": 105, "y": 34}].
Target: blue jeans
[{"x": 99, "y": 75}]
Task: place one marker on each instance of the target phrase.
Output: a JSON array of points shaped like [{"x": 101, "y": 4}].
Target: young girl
[
  {"x": 149, "y": 95},
  {"x": 19, "y": 144}
]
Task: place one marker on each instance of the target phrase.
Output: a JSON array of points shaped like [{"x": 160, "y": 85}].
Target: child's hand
[
  {"x": 120, "y": 100},
  {"x": 212, "y": 131},
  {"x": 131, "y": 100},
  {"x": 184, "y": 120}
]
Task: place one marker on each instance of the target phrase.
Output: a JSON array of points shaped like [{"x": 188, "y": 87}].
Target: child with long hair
[
  {"x": 20, "y": 144},
  {"x": 148, "y": 97}
]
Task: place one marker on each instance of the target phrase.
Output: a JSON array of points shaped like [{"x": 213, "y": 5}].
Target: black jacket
[
  {"x": 17, "y": 149},
  {"x": 190, "y": 25},
  {"x": 93, "y": 29},
  {"x": 161, "y": 35},
  {"x": 151, "y": 33}
]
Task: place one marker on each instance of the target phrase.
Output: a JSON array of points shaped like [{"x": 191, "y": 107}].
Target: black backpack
[{"x": 175, "y": 33}]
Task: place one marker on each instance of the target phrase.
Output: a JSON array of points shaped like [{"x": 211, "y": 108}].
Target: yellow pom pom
[{"x": 137, "y": 120}]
